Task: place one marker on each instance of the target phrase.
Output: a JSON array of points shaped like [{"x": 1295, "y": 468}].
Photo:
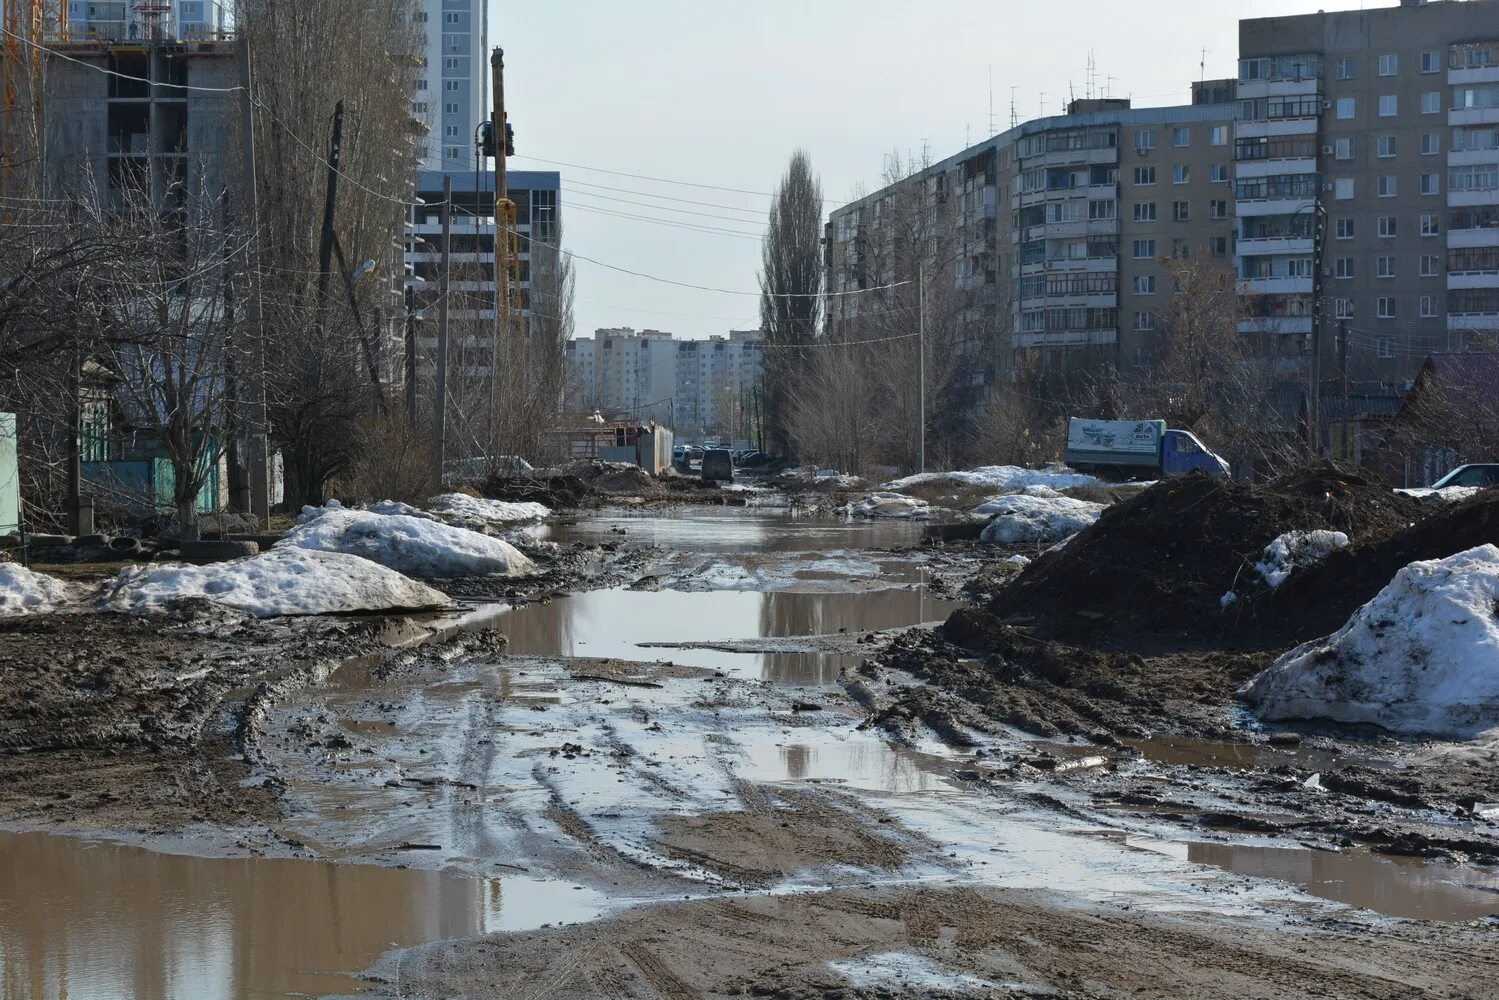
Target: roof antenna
[
  {"x": 1203, "y": 66},
  {"x": 992, "y": 129},
  {"x": 1014, "y": 111}
]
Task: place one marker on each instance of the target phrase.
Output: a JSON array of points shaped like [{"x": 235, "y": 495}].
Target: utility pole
[
  {"x": 259, "y": 457},
  {"x": 410, "y": 300},
  {"x": 503, "y": 222},
  {"x": 1314, "y": 400},
  {"x": 1343, "y": 377},
  {"x": 921, "y": 366},
  {"x": 325, "y": 250},
  {"x": 440, "y": 404}
]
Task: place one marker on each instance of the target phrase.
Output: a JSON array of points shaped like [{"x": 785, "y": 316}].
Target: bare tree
[{"x": 791, "y": 280}]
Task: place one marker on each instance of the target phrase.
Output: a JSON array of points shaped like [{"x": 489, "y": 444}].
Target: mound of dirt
[
  {"x": 556, "y": 492},
  {"x": 1160, "y": 563},
  {"x": 1319, "y": 600}
]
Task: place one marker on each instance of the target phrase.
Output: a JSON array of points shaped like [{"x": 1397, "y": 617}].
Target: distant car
[
  {"x": 1469, "y": 475},
  {"x": 755, "y": 459},
  {"x": 718, "y": 465}
]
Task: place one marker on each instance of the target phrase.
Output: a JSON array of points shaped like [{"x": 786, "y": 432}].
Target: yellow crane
[{"x": 28, "y": 25}]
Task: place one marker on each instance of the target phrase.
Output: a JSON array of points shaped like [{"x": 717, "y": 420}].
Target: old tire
[
  {"x": 210, "y": 552},
  {"x": 125, "y": 546}
]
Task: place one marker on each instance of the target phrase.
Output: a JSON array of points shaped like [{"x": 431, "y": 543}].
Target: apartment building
[
  {"x": 131, "y": 20},
  {"x": 452, "y": 89},
  {"x": 1066, "y": 225},
  {"x": 1387, "y": 123},
  {"x": 700, "y": 388}
]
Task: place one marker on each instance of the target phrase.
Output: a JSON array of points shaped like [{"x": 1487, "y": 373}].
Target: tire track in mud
[{"x": 657, "y": 972}]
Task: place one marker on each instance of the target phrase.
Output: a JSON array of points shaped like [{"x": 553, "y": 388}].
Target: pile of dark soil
[
  {"x": 556, "y": 492},
  {"x": 1318, "y": 600},
  {"x": 1159, "y": 563}
]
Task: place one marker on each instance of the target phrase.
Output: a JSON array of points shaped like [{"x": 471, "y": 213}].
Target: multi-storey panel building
[
  {"x": 1387, "y": 121},
  {"x": 130, "y": 20},
  {"x": 1066, "y": 225},
  {"x": 452, "y": 88}
]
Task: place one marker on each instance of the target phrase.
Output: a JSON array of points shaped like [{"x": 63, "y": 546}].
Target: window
[
  {"x": 1276, "y": 186},
  {"x": 1220, "y": 173},
  {"x": 1144, "y": 175},
  {"x": 1431, "y": 62},
  {"x": 1385, "y": 307},
  {"x": 1144, "y": 141},
  {"x": 1387, "y": 344},
  {"x": 1181, "y": 174},
  {"x": 1386, "y": 186},
  {"x": 1385, "y": 267},
  {"x": 1342, "y": 268},
  {"x": 1342, "y": 308},
  {"x": 1431, "y": 143},
  {"x": 1431, "y": 184},
  {"x": 1217, "y": 209},
  {"x": 1344, "y": 229},
  {"x": 1430, "y": 265},
  {"x": 1428, "y": 306},
  {"x": 1389, "y": 65},
  {"x": 1181, "y": 211},
  {"x": 1144, "y": 321},
  {"x": 452, "y": 86},
  {"x": 1218, "y": 246},
  {"x": 1181, "y": 137},
  {"x": 1144, "y": 249},
  {"x": 1431, "y": 225},
  {"x": 1477, "y": 177},
  {"x": 421, "y": 84},
  {"x": 1342, "y": 188},
  {"x": 451, "y": 108},
  {"x": 451, "y": 131},
  {"x": 1347, "y": 108},
  {"x": 1145, "y": 285},
  {"x": 1219, "y": 135},
  {"x": 1386, "y": 227},
  {"x": 1468, "y": 98},
  {"x": 1144, "y": 211},
  {"x": 1347, "y": 68},
  {"x": 1389, "y": 105},
  {"x": 1342, "y": 149},
  {"x": 1386, "y": 146},
  {"x": 1431, "y": 103}
]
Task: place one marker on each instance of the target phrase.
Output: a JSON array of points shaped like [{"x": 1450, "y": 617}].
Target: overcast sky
[{"x": 720, "y": 93}]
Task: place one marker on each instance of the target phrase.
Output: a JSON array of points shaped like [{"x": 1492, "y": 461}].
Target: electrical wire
[
  {"x": 758, "y": 212},
  {"x": 686, "y": 226},
  {"x": 659, "y": 208},
  {"x": 113, "y": 72}
]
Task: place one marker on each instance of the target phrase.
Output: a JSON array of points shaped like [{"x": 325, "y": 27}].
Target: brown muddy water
[{"x": 82, "y": 920}]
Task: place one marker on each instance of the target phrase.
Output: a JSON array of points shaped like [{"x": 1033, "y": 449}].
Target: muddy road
[{"x": 714, "y": 766}]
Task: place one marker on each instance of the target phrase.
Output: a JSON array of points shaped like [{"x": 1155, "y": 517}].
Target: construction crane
[{"x": 29, "y": 25}]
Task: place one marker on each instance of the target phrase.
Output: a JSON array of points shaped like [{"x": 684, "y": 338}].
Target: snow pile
[
  {"x": 887, "y": 504},
  {"x": 1002, "y": 477},
  {"x": 1022, "y": 517},
  {"x": 408, "y": 544},
  {"x": 23, "y": 592},
  {"x": 460, "y": 508},
  {"x": 1421, "y": 658},
  {"x": 386, "y": 508},
  {"x": 1435, "y": 498},
  {"x": 1297, "y": 548},
  {"x": 283, "y": 581}
]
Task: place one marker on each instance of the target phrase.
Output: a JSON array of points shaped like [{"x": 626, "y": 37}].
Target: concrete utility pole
[
  {"x": 501, "y": 228},
  {"x": 921, "y": 366},
  {"x": 440, "y": 404},
  {"x": 1314, "y": 395},
  {"x": 410, "y": 343},
  {"x": 259, "y": 450}
]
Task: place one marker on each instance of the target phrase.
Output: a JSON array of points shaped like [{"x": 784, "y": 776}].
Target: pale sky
[{"x": 720, "y": 93}]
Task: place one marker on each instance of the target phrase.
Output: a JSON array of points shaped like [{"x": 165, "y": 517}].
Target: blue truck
[{"x": 1137, "y": 449}]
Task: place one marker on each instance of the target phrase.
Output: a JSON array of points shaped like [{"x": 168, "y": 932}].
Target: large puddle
[
  {"x": 101, "y": 921},
  {"x": 615, "y": 623},
  {"x": 731, "y": 529}
]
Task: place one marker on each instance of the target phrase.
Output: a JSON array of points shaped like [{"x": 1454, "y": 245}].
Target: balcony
[
  {"x": 1275, "y": 286},
  {"x": 1274, "y": 246},
  {"x": 1279, "y": 325}
]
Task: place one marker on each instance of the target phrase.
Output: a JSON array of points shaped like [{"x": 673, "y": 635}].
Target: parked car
[
  {"x": 718, "y": 465},
  {"x": 1469, "y": 475},
  {"x": 755, "y": 459}
]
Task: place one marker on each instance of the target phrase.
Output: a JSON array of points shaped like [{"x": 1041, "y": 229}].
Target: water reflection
[
  {"x": 612, "y": 623},
  {"x": 732, "y": 529},
  {"x": 110, "y": 922}
]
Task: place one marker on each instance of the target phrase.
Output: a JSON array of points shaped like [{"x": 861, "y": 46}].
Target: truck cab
[{"x": 1182, "y": 453}]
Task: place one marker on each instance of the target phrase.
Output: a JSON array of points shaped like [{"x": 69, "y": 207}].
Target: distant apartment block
[
  {"x": 133, "y": 20},
  {"x": 452, "y": 89},
  {"x": 698, "y": 387},
  {"x": 1389, "y": 119}
]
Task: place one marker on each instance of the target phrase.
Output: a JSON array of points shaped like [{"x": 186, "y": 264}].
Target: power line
[
  {"x": 760, "y": 212},
  {"x": 662, "y": 208},
  {"x": 645, "y": 177},
  {"x": 112, "y": 72},
  {"x": 674, "y": 224}
]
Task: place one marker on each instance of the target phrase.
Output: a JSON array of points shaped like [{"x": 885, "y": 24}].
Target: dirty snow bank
[
  {"x": 1026, "y": 517},
  {"x": 458, "y": 508},
  {"x": 888, "y": 504},
  {"x": 283, "y": 581},
  {"x": 1435, "y": 498},
  {"x": 407, "y": 544},
  {"x": 1002, "y": 477},
  {"x": 23, "y": 592},
  {"x": 1421, "y": 658},
  {"x": 1297, "y": 549}
]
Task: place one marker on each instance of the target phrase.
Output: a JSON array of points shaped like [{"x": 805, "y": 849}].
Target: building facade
[
  {"x": 1388, "y": 120},
  {"x": 452, "y": 88},
  {"x": 130, "y": 20},
  {"x": 701, "y": 388},
  {"x": 1065, "y": 224}
]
